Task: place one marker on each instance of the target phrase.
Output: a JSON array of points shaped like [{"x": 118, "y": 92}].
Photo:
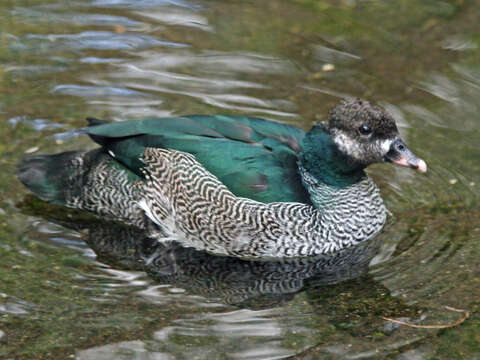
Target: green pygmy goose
[{"x": 233, "y": 185}]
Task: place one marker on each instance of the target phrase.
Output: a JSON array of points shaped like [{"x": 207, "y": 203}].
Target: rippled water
[{"x": 73, "y": 287}]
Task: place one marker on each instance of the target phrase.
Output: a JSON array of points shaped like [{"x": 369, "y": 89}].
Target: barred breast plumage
[{"x": 192, "y": 206}]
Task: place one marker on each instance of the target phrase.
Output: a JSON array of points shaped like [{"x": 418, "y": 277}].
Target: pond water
[{"x": 74, "y": 287}]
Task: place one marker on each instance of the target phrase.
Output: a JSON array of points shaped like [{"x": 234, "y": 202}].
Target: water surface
[{"x": 73, "y": 287}]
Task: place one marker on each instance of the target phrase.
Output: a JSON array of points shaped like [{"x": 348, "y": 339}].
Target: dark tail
[
  {"x": 59, "y": 178},
  {"x": 47, "y": 175},
  {"x": 94, "y": 121}
]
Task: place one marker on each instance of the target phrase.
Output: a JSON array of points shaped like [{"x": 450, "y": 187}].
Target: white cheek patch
[
  {"x": 361, "y": 152},
  {"x": 385, "y": 145},
  {"x": 348, "y": 146}
]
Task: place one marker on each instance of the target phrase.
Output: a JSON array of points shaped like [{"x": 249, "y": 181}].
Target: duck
[{"x": 233, "y": 185}]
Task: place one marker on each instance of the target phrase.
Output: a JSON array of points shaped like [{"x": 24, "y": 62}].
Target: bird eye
[{"x": 365, "y": 129}]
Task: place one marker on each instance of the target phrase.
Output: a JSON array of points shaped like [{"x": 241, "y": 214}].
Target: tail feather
[
  {"x": 94, "y": 121},
  {"x": 92, "y": 181},
  {"x": 45, "y": 175}
]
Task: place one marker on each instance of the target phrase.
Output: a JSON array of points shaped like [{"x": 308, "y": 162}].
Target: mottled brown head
[
  {"x": 368, "y": 134},
  {"x": 352, "y": 116}
]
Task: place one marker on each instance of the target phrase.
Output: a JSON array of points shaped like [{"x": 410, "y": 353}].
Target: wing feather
[{"x": 254, "y": 158}]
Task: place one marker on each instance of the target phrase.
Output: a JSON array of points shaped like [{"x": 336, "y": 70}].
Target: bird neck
[
  {"x": 332, "y": 197},
  {"x": 322, "y": 159}
]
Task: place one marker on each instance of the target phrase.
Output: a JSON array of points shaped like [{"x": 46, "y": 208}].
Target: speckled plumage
[{"x": 172, "y": 195}]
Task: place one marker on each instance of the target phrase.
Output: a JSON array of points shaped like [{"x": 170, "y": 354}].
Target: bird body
[{"x": 232, "y": 185}]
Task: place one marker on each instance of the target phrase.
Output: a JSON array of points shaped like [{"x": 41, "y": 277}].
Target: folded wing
[{"x": 253, "y": 157}]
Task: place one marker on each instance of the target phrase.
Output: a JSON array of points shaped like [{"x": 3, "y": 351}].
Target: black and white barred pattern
[
  {"x": 193, "y": 207},
  {"x": 97, "y": 184},
  {"x": 181, "y": 201}
]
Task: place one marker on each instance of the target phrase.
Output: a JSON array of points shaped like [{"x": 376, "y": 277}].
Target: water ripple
[
  {"x": 93, "y": 40},
  {"x": 37, "y": 124},
  {"x": 329, "y": 55},
  {"x": 142, "y": 3},
  {"x": 31, "y": 71},
  {"x": 94, "y": 91},
  {"x": 181, "y": 81},
  {"x": 32, "y": 14},
  {"x": 216, "y": 62},
  {"x": 242, "y": 334},
  {"x": 173, "y": 16},
  {"x": 135, "y": 349},
  {"x": 14, "y": 305},
  {"x": 97, "y": 60},
  {"x": 211, "y": 77},
  {"x": 459, "y": 43}
]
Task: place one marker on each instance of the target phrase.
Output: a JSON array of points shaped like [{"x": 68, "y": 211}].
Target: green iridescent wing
[{"x": 254, "y": 158}]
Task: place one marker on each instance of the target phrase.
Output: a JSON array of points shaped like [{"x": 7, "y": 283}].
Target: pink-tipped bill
[
  {"x": 415, "y": 163},
  {"x": 399, "y": 154}
]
